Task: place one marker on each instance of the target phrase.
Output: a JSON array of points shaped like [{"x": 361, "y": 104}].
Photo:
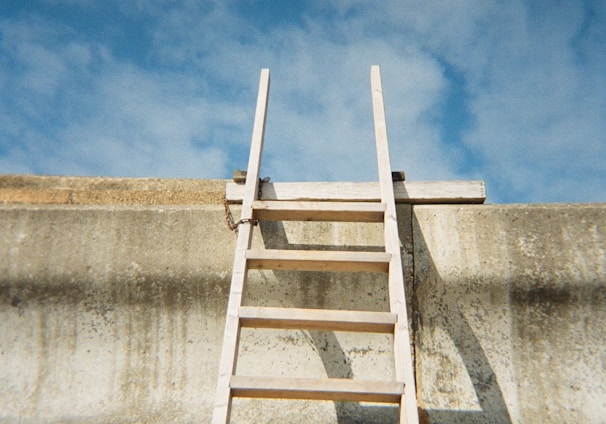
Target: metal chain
[{"x": 229, "y": 218}]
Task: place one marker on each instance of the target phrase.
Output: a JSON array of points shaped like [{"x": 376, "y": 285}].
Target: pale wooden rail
[
  {"x": 318, "y": 260},
  {"x": 397, "y": 297},
  {"x": 319, "y": 211},
  {"x": 317, "y": 319},
  {"x": 411, "y": 192},
  {"x": 231, "y": 336},
  {"x": 336, "y": 389}
]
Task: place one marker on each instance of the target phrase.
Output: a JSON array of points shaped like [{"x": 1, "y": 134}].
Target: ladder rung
[
  {"x": 335, "y": 389},
  {"x": 317, "y": 319},
  {"x": 318, "y": 211},
  {"x": 318, "y": 260}
]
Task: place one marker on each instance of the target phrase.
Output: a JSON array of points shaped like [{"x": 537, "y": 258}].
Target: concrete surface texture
[
  {"x": 20, "y": 189},
  {"x": 511, "y": 312},
  {"x": 114, "y": 313}
]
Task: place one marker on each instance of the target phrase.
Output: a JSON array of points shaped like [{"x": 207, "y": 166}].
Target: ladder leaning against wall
[{"x": 401, "y": 391}]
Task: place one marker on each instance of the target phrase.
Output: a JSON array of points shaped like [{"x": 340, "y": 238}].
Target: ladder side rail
[
  {"x": 229, "y": 352},
  {"x": 397, "y": 296}
]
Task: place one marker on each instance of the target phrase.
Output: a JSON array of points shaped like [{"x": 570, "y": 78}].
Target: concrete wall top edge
[
  {"x": 113, "y": 208},
  {"x": 56, "y": 181},
  {"x": 34, "y": 189},
  {"x": 515, "y": 205},
  {"x": 84, "y": 190}
]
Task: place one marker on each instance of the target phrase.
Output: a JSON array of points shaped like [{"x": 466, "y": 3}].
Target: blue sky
[{"x": 510, "y": 92}]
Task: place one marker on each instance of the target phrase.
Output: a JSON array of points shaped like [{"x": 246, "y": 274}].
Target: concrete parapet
[
  {"x": 511, "y": 312},
  {"x": 111, "y": 314},
  {"x": 115, "y": 313}
]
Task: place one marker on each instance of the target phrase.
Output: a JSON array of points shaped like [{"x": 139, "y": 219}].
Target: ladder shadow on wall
[
  {"x": 333, "y": 355},
  {"x": 431, "y": 313},
  {"x": 455, "y": 380}
]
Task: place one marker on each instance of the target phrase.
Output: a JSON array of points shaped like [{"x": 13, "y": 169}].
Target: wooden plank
[
  {"x": 318, "y": 260},
  {"x": 397, "y": 296},
  {"x": 334, "y": 389},
  {"x": 318, "y": 211},
  {"x": 317, "y": 319},
  {"x": 410, "y": 192},
  {"x": 231, "y": 335}
]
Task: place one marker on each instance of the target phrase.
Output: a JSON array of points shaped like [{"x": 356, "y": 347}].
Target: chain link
[{"x": 229, "y": 218}]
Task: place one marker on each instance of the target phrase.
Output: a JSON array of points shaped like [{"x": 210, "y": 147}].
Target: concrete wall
[
  {"x": 115, "y": 313},
  {"x": 511, "y": 312},
  {"x": 111, "y": 313}
]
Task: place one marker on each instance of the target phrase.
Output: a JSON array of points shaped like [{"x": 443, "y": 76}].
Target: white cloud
[
  {"x": 113, "y": 119},
  {"x": 147, "y": 124}
]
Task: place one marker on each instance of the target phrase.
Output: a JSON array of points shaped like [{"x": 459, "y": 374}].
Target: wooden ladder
[{"x": 401, "y": 391}]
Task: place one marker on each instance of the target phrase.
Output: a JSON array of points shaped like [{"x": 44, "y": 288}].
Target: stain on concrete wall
[{"x": 111, "y": 312}]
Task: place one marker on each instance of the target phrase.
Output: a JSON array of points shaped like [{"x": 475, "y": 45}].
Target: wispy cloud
[
  {"x": 76, "y": 109},
  {"x": 173, "y": 94},
  {"x": 537, "y": 92}
]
